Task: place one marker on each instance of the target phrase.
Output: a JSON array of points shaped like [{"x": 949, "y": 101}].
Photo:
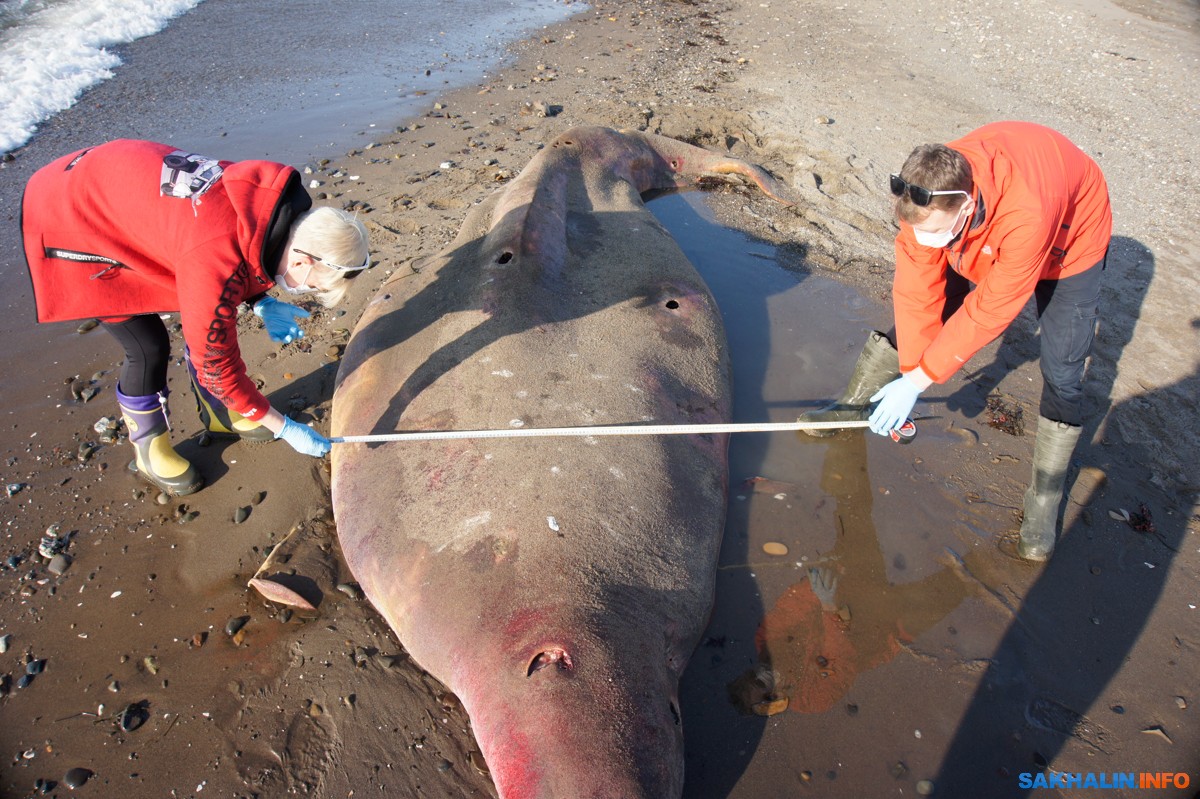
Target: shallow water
[{"x": 868, "y": 526}]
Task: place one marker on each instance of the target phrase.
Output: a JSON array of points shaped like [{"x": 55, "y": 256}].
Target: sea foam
[{"x": 53, "y": 50}]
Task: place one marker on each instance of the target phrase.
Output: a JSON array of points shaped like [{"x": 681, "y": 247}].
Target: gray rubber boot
[
  {"x": 1051, "y": 459},
  {"x": 878, "y": 365}
]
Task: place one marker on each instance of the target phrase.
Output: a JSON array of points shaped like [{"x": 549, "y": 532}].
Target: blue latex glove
[
  {"x": 303, "y": 438},
  {"x": 280, "y": 319},
  {"x": 896, "y": 401}
]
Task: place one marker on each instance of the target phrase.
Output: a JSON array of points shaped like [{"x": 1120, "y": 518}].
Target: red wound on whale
[{"x": 551, "y": 657}]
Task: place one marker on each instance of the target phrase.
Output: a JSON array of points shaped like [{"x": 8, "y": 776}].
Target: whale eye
[
  {"x": 672, "y": 304},
  {"x": 675, "y": 713},
  {"x": 504, "y": 258}
]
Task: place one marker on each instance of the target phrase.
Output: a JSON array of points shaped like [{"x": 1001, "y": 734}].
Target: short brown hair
[{"x": 937, "y": 168}]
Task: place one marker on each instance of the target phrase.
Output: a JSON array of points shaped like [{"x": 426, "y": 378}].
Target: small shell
[{"x": 278, "y": 592}]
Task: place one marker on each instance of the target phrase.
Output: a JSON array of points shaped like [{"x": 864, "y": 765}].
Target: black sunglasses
[{"x": 919, "y": 195}]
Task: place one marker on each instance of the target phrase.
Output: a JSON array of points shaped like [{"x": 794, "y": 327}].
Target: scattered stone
[
  {"x": 51, "y": 544},
  {"x": 235, "y": 624},
  {"x": 5, "y": 641},
  {"x": 824, "y": 120},
  {"x": 925, "y": 788},
  {"x": 87, "y": 326},
  {"x": 241, "y": 514},
  {"x": 59, "y": 564},
  {"x": 898, "y": 769},
  {"x": 1180, "y": 702},
  {"x": 133, "y": 716},
  {"x": 25, "y": 680},
  {"x": 14, "y": 488},
  {"x": 35, "y": 667},
  {"x": 258, "y": 498},
  {"x": 114, "y": 687},
  {"x": 351, "y": 590},
  {"x": 446, "y": 165},
  {"x": 76, "y": 777},
  {"x": 151, "y": 664},
  {"x": 775, "y": 548},
  {"x": 163, "y": 498},
  {"x": 85, "y": 451},
  {"x": 86, "y": 394}
]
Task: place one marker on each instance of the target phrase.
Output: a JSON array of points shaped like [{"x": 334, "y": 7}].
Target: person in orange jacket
[{"x": 1010, "y": 211}]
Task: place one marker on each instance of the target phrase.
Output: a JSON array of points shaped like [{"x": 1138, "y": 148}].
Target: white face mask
[
  {"x": 302, "y": 288},
  {"x": 938, "y": 240}
]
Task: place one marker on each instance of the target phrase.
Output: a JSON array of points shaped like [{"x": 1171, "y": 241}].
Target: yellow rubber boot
[
  {"x": 156, "y": 460},
  {"x": 221, "y": 421}
]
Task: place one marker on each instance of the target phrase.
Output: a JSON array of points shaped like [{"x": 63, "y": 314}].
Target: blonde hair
[{"x": 336, "y": 237}]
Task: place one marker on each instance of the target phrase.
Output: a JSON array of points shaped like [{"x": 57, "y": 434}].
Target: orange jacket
[{"x": 1046, "y": 216}]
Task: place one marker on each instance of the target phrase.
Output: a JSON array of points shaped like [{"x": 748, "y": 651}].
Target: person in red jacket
[
  {"x": 1010, "y": 211},
  {"x": 128, "y": 230}
]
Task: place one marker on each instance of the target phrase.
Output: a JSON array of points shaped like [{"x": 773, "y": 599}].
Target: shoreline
[{"x": 811, "y": 94}]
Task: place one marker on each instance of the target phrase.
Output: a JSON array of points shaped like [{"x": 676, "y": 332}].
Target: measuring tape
[{"x": 906, "y": 433}]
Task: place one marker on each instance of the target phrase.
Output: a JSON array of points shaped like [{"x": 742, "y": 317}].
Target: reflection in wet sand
[{"x": 845, "y": 617}]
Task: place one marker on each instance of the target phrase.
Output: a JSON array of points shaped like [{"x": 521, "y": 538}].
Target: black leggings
[{"x": 147, "y": 352}]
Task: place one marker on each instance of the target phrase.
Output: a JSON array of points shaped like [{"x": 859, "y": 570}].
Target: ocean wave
[{"x": 51, "y": 51}]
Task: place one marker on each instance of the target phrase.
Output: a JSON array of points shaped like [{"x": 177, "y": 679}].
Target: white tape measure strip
[{"x": 607, "y": 430}]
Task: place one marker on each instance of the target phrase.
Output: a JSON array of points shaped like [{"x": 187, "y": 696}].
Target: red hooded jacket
[
  {"x": 134, "y": 227},
  {"x": 1046, "y": 217}
]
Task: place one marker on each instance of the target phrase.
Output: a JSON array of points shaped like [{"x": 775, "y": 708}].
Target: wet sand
[{"x": 940, "y": 660}]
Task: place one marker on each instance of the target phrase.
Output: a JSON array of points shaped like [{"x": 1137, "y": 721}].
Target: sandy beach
[{"x": 1086, "y": 665}]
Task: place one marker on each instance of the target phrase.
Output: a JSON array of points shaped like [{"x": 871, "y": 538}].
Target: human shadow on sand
[{"x": 1036, "y": 707}]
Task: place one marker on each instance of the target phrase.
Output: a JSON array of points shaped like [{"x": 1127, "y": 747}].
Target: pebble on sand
[
  {"x": 59, "y": 564},
  {"x": 925, "y": 788},
  {"x": 775, "y": 548},
  {"x": 76, "y": 777},
  {"x": 5, "y": 641}
]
